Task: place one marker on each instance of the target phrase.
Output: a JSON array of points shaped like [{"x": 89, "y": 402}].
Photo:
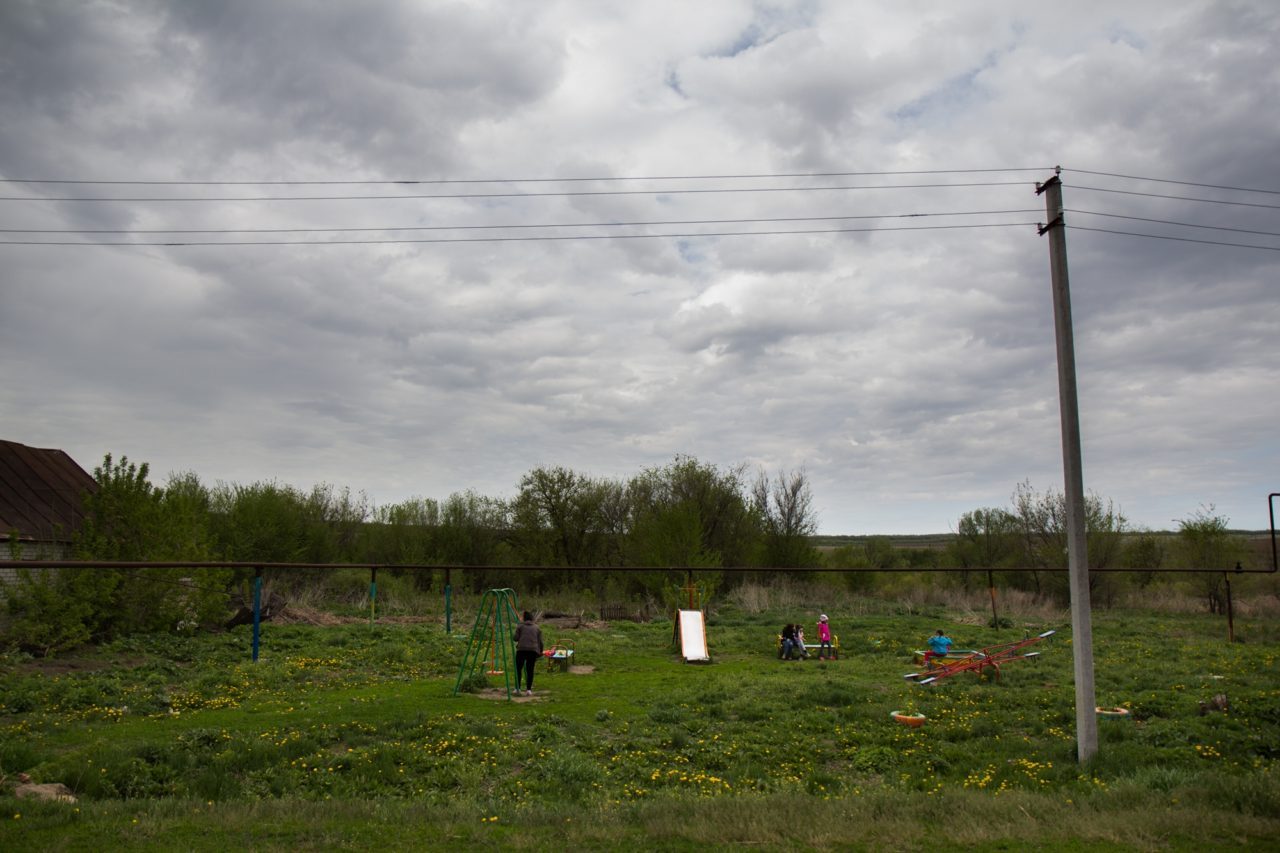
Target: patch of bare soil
[
  {"x": 518, "y": 696},
  {"x": 561, "y": 620},
  {"x": 501, "y": 693},
  {"x": 309, "y": 616}
]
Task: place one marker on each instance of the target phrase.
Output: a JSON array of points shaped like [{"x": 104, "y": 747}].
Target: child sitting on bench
[
  {"x": 939, "y": 645},
  {"x": 804, "y": 653}
]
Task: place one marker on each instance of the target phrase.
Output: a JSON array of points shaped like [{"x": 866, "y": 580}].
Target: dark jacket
[{"x": 528, "y": 638}]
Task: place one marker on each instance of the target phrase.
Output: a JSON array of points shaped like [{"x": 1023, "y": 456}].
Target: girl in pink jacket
[{"x": 824, "y": 639}]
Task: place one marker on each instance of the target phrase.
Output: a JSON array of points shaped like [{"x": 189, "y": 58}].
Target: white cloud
[{"x": 911, "y": 373}]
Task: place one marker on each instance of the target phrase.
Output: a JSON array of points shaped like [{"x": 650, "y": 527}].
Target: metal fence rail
[{"x": 258, "y": 568}]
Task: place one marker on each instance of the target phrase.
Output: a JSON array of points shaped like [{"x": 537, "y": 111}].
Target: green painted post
[
  {"x": 373, "y": 592},
  {"x": 501, "y": 643},
  {"x": 508, "y": 597},
  {"x": 475, "y": 650},
  {"x": 448, "y": 603}
]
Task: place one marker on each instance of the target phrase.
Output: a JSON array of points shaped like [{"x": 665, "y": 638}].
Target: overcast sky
[{"x": 910, "y": 373}]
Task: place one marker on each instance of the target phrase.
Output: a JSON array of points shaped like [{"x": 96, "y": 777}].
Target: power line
[
  {"x": 398, "y": 228},
  {"x": 509, "y": 195},
  {"x": 438, "y": 181},
  {"x": 1172, "y": 222},
  {"x": 608, "y": 178},
  {"x": 1176, "y": 197},
  {"x": 529, "y": 239},
  {"x": 1169, "y": 181},
  {"x": 1177, "y": 239}
]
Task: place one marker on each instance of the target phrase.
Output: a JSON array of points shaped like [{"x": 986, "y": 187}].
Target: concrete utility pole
[{"x": 1073, "y": 469}]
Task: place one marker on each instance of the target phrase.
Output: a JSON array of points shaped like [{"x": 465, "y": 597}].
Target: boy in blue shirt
[{"x": 939, "y": 645}]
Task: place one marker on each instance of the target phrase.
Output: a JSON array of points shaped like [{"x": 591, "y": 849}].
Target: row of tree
[
  {"x": 686, "y": 513},
  {"x": 1031, "y": 536}
]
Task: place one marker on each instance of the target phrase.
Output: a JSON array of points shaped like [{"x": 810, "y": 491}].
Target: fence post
[
  {"x": 257, "y": 609},
  {"x": 448, "y": 603},
  {"x": 995, "y": 616},
  {"x": 1231, "y": 618}
]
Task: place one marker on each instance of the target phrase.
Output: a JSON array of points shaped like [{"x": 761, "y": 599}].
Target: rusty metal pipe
[{"x": 214, "y": 564}]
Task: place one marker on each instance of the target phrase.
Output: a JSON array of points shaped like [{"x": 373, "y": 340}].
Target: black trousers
[{"x": 525, "y": 661}]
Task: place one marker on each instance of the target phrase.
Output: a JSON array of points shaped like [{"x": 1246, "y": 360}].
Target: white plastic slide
[{"x": 693, "y": 636}]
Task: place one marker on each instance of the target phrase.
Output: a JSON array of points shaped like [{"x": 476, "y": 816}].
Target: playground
[
  {"x": 491, "y": 655},
  {"x": 347, "y": 732}
]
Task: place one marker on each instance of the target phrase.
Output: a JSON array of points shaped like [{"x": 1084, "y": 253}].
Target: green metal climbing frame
[{"x": 491, "y": 649}]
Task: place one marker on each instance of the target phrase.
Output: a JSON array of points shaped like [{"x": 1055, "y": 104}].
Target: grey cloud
[
  {"x": 373, "y": 84},
  {"x": 911, "y": 373}
]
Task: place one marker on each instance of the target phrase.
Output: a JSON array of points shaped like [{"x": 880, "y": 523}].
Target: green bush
[
  {"x": 18, "y": 755},
  {"x": 874, "y": 759},
  {"x": 125, "y": 519},
  {"x": 573, "y": 774},
  {"x": 474, "y": 683},
  {"x": 52, "y": 610}
]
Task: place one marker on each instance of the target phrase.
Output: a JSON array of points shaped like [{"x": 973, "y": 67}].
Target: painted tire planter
[
  {"x": 1113, "y": 713},
  {"x": 912, "y": 720}
]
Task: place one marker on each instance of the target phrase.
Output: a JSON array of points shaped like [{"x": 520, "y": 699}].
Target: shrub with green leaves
[{"x": 52, "y": 610}]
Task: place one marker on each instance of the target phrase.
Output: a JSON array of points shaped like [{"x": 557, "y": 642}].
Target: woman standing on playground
[{"x": 528, "y": 640}]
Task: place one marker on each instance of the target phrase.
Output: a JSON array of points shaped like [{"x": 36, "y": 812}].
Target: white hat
[{"x": 822, "y": 618}]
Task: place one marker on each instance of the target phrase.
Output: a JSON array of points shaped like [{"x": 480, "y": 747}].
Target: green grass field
[{"x": 350, "y": 737}]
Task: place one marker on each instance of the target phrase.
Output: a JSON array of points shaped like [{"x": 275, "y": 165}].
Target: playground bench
[{"x": 813, "y": 648}]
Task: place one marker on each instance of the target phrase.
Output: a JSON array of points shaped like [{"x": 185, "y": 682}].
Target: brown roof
[{"x": 41, "y": 492}]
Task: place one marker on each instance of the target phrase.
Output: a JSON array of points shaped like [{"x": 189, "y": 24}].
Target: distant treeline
[{"x": 687, "y": 513}]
